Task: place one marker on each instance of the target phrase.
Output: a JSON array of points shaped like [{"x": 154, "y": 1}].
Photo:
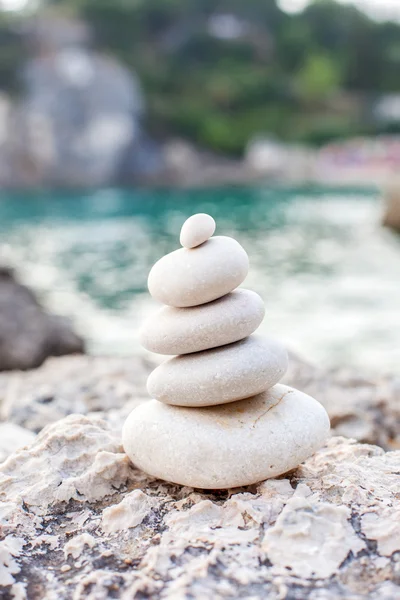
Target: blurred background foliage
[{"x": 218, "y": 72}]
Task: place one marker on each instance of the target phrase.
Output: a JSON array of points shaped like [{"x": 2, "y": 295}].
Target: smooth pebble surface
[
  {"x": 196, "y": 230},
  {"x": 220, "y": 375},
  {"x": 226, "y": 446},
  {"x": 184, "y": 330},
  {"x": 192, "y": 277}
]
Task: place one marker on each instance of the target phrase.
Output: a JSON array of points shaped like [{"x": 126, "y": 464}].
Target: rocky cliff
[{"x": 78, "y": 120}]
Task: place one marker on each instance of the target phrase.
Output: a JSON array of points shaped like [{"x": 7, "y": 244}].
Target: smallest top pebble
[{"x": 196, "y": 230}]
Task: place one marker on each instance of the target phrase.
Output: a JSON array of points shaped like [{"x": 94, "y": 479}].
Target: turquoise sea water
[{"x": 329, "y": 274}]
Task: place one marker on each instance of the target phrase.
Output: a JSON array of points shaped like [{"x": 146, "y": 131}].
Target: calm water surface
[{"x": 328, "y": 273}]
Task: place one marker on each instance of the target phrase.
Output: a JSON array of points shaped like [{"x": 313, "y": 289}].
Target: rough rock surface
[
  {"x": 28, "y": 335},
  {"x": 363, "y": 407},
  {"x": 93, "y": 527},
  {"x": 106, "y": 387}
]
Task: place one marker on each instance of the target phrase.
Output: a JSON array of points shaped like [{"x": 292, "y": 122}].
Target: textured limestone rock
[
  {"x": 75, "y": 458},
  {"x": 112, "y": 532},
  {"x": 10, "y": 547},
  {"x": 28, "y": 335},
  {"x": 189, "y": 543},
  {"x": 107, "y": 387},
  {"x": 360, "y": 405}
]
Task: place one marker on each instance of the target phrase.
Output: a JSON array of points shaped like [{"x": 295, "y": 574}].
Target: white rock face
[
  {"x": 192, "y": 277},
  {"x": 220, "y": 375},
  {"x": 196, "y": 230},
  {"x": 184, "y": 330},
  {"x": 68, "y": 460},
  {"x": 326, "y": 544},
  {"x": 230, "y": 445},
  {"x": 128, "y": 513}
]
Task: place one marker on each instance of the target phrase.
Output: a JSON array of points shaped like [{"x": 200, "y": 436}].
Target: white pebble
[
  {"x": 220, "y": 375},
  {"x": 196, "y": 230},
  {"x": 191, "y": 277},
  {"x": 183, "y": 330}
]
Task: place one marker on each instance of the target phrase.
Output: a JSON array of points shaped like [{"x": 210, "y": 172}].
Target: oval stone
[
  {"x": 227, "y": 446},
  {"x": 189, "y": 277},
  {"x": 220, "y": 375},
  {"x": 196, "y": 230},
  {"x": 183, "y": 330}
]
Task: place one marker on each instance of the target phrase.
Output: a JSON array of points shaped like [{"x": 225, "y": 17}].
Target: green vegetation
[
  {"x": 11, "y": 55},
  {"x": 308, "y": 78}
]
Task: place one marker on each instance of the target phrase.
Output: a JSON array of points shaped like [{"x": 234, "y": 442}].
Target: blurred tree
[
  {"x": 11, "y": 55},
  {"x": 319, "y": 77},
  {"x": 220, "y": 71}
]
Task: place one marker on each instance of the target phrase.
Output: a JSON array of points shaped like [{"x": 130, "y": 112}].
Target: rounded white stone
[
  {"x": 183, "y": 330},
  {"x": 227, "y": 446},
  {"x": 220, "y": 375},
  {"x": 199, "y": 275},
  {"x": 196, "y": 230}
]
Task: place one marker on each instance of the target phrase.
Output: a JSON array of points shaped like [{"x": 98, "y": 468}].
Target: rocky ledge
[{"x": 78, "y": 521}]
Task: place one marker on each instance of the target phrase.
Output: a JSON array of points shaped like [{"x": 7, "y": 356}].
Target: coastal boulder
[{"x": 28, "y": 335}]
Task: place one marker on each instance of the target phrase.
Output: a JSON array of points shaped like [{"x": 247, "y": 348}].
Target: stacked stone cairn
[{"x": 219, "y": 419}]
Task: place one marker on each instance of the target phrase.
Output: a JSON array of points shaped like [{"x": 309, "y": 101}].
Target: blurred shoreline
[
  {"x": 328, "y": 271},
  {"x": 78, "y": 110},
  {"x": 355, "y": 163}
]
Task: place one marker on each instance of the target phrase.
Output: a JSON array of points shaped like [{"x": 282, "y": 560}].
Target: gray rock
[
  {"x": 360, "y": 405},
  {"x": 78, "y": 122},
  {"x": 391, "y": 217},
  {"x": 28, "y": 335},
  {"x": 101, "y": 386},
  {"x": 86, "y": 110}
]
